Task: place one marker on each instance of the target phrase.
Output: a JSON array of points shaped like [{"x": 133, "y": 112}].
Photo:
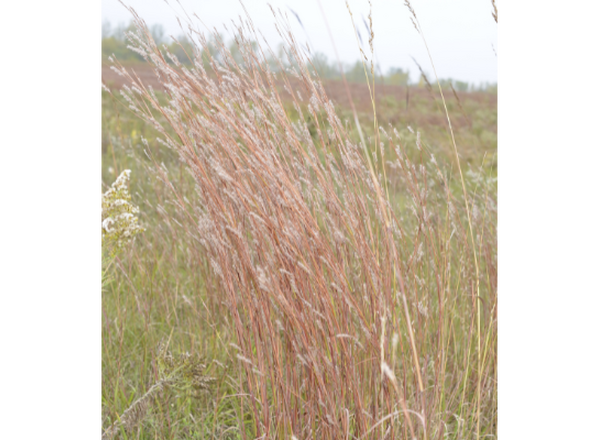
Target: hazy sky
[{"x": 461, "y": 34}]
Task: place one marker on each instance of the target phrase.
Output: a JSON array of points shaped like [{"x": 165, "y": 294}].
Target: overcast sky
[{"x": 461, "y": 34}]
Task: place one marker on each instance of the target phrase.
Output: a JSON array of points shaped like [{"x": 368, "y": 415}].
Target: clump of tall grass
[{"x": 360, "y": 282}]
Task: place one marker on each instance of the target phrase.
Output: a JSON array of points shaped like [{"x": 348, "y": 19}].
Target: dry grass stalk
[
  {"x": 495, "y": 12},
  {"x": 462, "y": 110},
  {"x": 184, "y": 373},
  {"x": 135, "y": 414}
]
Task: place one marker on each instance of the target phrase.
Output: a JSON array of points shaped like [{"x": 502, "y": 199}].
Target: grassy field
[{"x": 293, "y": 281}]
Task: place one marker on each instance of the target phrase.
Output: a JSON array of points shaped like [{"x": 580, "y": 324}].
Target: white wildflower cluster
[{"x": 119, "y": 220}]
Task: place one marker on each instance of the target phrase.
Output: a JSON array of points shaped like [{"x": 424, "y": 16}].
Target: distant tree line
[{"x": 114, "y": 42}]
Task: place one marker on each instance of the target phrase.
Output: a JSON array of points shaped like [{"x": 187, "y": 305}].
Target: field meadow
[{"x": 301, "y": 267}]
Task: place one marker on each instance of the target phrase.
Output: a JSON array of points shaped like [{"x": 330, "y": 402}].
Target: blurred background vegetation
[{"x": 114, "y": 43}]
